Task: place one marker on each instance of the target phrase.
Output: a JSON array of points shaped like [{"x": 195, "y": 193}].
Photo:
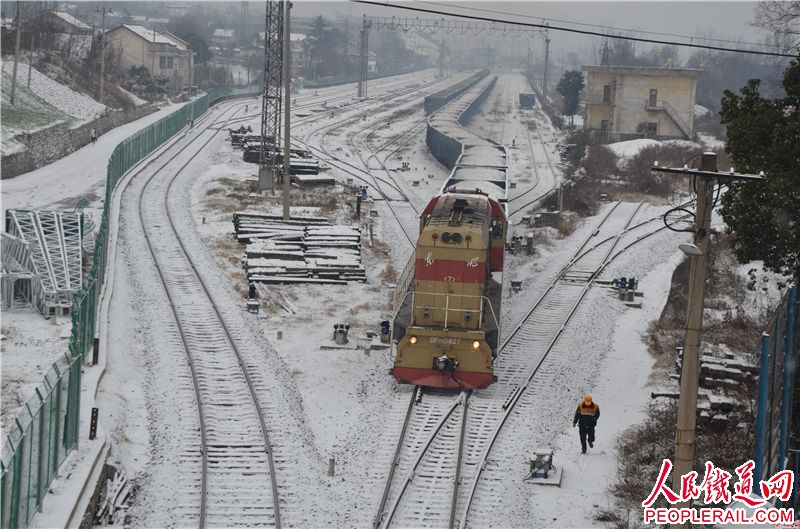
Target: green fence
[{"x": 46, "y": 430}]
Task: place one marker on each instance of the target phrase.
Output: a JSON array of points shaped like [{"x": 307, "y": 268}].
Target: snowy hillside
[{"x": 44, "y": 104}]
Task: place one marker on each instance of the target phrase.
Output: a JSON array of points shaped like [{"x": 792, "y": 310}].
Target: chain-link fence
[
  {"x": 46, "y": 430},
  {"x": 777, "y": 424}
]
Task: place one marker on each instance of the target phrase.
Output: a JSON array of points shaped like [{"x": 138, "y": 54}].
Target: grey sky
[{"x": 729, "y": 20}]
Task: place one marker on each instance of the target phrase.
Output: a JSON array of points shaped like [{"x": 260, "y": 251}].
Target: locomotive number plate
[{"x": 445, "y": 341}]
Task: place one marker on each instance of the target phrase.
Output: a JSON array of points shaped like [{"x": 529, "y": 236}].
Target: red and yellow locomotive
[{"x": 446, "y": 329}]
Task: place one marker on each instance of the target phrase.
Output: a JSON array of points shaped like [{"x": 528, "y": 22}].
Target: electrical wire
[
  {"x": 571, "y": 30},
  {"x": 543, "y": 19}
]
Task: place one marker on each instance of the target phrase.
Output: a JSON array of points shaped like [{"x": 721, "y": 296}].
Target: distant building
[
  {"x": 60, "y": 31},
  {"x": 354, "y": 57},
  {"x": 162, "y": 53},
  {"x": 626, "y": 103}
]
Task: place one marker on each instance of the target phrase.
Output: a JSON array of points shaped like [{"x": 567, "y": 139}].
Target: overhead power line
[{"x": 572, "y": 30}]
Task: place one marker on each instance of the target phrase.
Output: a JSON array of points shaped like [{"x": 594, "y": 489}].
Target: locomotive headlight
[
  {"x": 413, "y": 340},
  {"x": 476, "y": 344}
]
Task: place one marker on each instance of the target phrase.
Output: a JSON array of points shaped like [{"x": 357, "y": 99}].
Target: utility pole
[
  {"x": 690, "y": 365},
  {"x": 16, "y": 50},
  {"x": 30, "y": 58},
  {"x": 441, "y": 59},
  {"x": 287, "y": 83},
  {"x": 103, "y": 10},
  {"x": 363, "y": 59},
  {"x": 546, "y": 64}
]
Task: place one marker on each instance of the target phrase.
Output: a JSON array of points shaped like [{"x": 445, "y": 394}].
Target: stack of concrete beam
[{"x": 300, "y": 250}]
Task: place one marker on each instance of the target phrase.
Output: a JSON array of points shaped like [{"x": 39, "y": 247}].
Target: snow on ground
[
  {"x": 82, "y": 174},
  {"x": 28, "y": 114},
  {"x": 30, "y": 344},
  {"x": 621, "y": 390},
  {"x": 683, "y": 143},
  {"x": 710, "y": 141},
  {"x": 630, "y": 148},
  {"x": 700, "y": 111},
  {"x": 346, "y": 399},
  {"x": 80, "y": 106}
]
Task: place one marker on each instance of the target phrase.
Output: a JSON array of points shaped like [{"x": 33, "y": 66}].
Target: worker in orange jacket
[{"x": 586, "y": 418}]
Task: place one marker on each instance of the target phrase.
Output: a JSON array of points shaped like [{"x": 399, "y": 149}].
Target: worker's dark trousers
[{"x": 586, "y": 432}]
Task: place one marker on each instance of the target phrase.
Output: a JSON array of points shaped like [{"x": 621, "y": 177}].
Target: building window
[
  {"x": 165, "y": 63},
  {"x": 604, "y": 124},
  {"x": 652, "y": 130},
  {"x": 607, "y": 93},
  {"x": 653, "y": 98}
]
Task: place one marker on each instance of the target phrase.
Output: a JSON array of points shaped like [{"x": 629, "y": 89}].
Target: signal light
[
  {"x": 413, "y": 340},
  {"x": 476, "y": 344}
]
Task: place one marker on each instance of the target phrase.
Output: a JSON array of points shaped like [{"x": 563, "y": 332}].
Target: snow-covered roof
[
  {"x": 223, "y": 33},
  {"x": 69, "y": 19},
  {"x": 154, "y": 36},
  {"x": 294, "y": 37}
]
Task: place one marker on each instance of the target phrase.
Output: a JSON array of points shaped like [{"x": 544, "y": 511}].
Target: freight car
[
  {"x": 527, "y": 99},
  {"x": 475, "y": 161},
  {"x": 439, "y": 99},
  {"x": 446, "y": 329}
]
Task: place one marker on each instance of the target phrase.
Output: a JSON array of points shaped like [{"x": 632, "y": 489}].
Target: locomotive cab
[{"x": 446, "y": 328}]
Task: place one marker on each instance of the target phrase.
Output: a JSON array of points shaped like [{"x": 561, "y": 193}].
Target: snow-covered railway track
[
  {"x": 386, "y": 187},
  {"x": 527, "y": 369},
  {"x": 537, "y": 172},
  {"x": 422, "y": 484},
  {"x": 227, "y": 475}
]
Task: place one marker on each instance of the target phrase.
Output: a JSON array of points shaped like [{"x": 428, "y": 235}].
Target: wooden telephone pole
[
  {"x": 698, "y": 252},
  {"x": 103, "y": 10}
]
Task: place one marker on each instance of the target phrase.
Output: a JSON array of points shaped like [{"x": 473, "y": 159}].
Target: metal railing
[
  {"x": 775, "y": 429},
  {"x": 666, "y": 107},
  {"x": 484, "y": 301},
  {"x": 46, "y": 429}
]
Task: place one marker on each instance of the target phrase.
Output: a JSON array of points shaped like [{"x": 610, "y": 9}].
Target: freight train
[
  {"x": 446, "y": 329},
  {"x": 527, "y": 99}
]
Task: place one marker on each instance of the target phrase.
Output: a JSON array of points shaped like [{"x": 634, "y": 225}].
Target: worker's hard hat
[{"x": 587, "y": 398}]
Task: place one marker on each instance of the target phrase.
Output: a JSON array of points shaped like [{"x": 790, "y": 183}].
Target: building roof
[
  {"x": 69, "y": 19},
  {"x": 644, "y": 70},
  {"x": 294, "y": 37},
  {"x": 224, "y": 33},
  {"x": 156, "y": 37}
]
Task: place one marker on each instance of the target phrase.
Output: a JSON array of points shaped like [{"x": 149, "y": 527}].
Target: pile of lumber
[
  {"x": 113, "y": 504},
  {"x": 300, "y": 250}
]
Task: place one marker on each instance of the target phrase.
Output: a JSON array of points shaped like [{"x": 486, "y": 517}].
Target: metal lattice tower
[
  {"x": 363, "y": 59},
  {"x": 55, "y": 243},
  {"x": 271, "y": 95},
  {"x": 605, "y": 55},
  {"x": 441, "y": 26}
]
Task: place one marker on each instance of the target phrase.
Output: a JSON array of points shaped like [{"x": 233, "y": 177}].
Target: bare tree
[{"x": 781, "y": 19}]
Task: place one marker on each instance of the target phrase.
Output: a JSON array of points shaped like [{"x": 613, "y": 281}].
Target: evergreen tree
[
  {"x": 186, "y": 28},
  {"x": 764, "y": 135},
  {"x": 570, "y": 87}
]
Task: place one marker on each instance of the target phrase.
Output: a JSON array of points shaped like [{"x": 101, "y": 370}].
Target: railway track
[
  {"x": 446, "y": 437},
  {"x": 227, "y": 471},
  {"x": 387, "y": 187},
  {"x": 520, "y": 413},
  {"x": 538, "y": 195},
  {"x": 330, "y": 95},
  {"x": 422, "y": 486}
]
